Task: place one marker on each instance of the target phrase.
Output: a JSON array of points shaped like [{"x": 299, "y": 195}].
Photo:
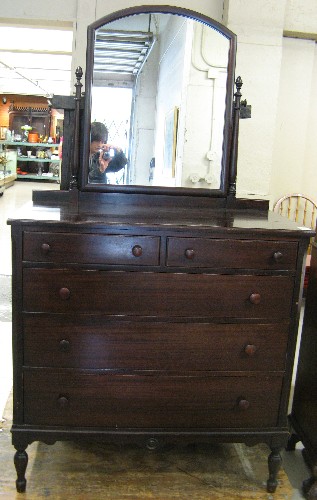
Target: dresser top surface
[{"x": 221, "y": 219}]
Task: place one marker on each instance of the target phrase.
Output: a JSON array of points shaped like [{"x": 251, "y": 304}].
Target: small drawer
[
  {"x": 91, "y": 248},
  {"x": 150, "y": 400},
  {"x": 151, "y": 294},
  {"x": 88, "y": 341},
  {"x": 233, "y": 254}
]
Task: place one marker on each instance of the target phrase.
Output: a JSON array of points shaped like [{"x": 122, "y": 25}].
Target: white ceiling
[
  {"x": 35, "y": 61},
  {"x": 119, "y": 52}
]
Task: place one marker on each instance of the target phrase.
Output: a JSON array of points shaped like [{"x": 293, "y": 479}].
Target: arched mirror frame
[{"x": 228, "y": 149}]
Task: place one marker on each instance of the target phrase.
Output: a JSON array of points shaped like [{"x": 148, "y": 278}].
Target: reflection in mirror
[{"x": 159, "y": 85}]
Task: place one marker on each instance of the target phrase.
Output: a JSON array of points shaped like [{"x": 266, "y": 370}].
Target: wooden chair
[{"x": 303, "y": 210}]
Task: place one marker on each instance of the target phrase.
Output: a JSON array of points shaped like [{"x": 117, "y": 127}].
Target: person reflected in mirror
[{"x": 104, "y": 158}]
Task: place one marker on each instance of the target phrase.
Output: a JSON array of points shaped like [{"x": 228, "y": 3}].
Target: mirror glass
[{"x": 162, "y": 84}]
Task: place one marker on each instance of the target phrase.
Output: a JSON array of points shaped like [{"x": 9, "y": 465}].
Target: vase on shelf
[{"x": 25, "y": 130}]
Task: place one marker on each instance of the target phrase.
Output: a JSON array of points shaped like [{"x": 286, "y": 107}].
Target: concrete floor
[{"x": 13, "y": 199}]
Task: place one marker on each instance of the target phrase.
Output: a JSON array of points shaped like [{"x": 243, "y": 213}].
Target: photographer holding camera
[{"x": 100, "y": 160}]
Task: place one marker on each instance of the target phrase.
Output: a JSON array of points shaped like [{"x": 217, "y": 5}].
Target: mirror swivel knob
[
  {"x": 250, "y": 349},
  {"x": 255, "y": 298},
  {"x": 64, "y": 293},
  {"x": 45, "y": 247},
  {"x": 189, "y": 253},
  {"x": 137, "y": 251}
]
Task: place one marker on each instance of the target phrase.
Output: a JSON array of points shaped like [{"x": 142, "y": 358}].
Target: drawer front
[
  {"x": 87, "y": 342},
  {"x": 91, "y": 248},
  {"x": 157, "y": 294},
  {"x": 128, "y": 400},
  {"x": 234, "y": 254}
]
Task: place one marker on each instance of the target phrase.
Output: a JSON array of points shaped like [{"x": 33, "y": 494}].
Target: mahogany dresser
[{"x": 172, "y": 326}]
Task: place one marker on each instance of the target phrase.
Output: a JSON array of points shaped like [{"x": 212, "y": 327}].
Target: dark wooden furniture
[
  {"x": 38, "y": 118},
  {"x": 154, "y": 315},
  {"x": 156, "y": 329},
  {"x": 304, "y": 411}
]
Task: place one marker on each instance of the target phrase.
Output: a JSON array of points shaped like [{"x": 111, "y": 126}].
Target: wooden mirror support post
[
  {"x": 235, "y": 138},
  {"x": 75, "y": 157}
]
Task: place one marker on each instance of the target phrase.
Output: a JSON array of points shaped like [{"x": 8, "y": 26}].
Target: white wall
[
  {"x": 25, "y": 10},
  {"x": 267, "y": 64},
  {"x": 206, "y": 95},
  {"x": 301, "y": 16},
  {"x": 142, "y": 150},
  {"x": 309, "y": 169},
  {"x": 295, "y": 146},
  {"x": 259, "y": 27},
  {"x": 277, "y": 146},
  {"x": 170, "y": 84}
]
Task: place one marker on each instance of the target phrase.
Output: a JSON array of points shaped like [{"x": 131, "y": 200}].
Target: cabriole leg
[
  {"x": 274, "y": 462},
  {"x": 20, "y": 462}
]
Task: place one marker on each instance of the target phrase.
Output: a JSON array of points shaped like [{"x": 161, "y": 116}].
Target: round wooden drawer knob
[
  {"x": 137, "y": 251},
  {"x": 45, "y": 247},
  {"x": 63, "y": 402},
  {"x": 64, "y": 293},
  {"x": 243, "y": 404},
  {"x": 64, "y": 345},
  {"x": 255, "y": 298},
  {"x": 250, "y": 349},
  {"x": 152, "y": 444},
  {"x": 189, "y": 253},
  {"x": 278, "y": 256}
]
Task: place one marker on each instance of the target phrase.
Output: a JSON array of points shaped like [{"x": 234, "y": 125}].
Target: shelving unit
[
  {"x": 25, "y": 165},
  {"x": 8, "y": 171}
]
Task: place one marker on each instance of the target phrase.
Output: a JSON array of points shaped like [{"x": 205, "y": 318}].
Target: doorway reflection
[{"x": 112, "y": 106}]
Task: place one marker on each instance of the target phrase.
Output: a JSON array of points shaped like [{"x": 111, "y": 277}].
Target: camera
[{"x": 106, "y": 155}]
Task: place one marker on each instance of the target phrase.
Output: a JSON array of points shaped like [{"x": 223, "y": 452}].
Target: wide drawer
[
  {"x": 91, "y": 248},
  {"x": 157, "y": 294},
  {"x": 95, "y": 342},
  {"x": 152, "y": 400},
  {"x": 234, "y": 254}
]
